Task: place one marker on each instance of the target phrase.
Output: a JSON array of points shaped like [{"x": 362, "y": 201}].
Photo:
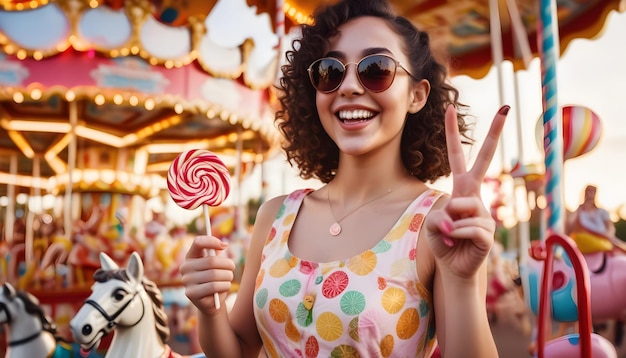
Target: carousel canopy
[
  {"x": 112, "y": 91},
  {"x": 123, "y": 86},
  {"x": 461, "y": 29}
]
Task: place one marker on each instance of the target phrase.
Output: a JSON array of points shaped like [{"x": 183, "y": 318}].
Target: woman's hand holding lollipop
[{"x": 198, "y": 177}]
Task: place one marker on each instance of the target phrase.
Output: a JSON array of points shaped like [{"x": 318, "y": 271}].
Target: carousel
[
  {"x": 96, "y": 100},
  {"x": 98, "y": 97}
]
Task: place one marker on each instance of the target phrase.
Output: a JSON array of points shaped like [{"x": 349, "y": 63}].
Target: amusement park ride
[{"x": 97, "y": 97}]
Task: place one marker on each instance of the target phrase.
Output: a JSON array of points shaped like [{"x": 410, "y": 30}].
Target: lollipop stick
[{"x": 207, "y": 224}]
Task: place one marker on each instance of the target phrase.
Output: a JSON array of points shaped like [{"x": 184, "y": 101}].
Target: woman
[
  {"x": 374, "y": 263},
  {"x": 591, "y": 227}
]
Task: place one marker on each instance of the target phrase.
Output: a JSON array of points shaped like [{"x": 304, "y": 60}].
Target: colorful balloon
[{"x": 582, "y": 130}]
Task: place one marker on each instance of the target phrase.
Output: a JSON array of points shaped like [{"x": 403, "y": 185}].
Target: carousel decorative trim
[{"x": 221, "y": 47}]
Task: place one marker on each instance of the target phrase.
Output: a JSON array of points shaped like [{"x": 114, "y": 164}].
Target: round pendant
[{"x": 335, "y": 229}]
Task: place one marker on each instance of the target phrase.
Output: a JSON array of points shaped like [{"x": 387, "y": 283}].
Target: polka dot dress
[{"x": 369, "y": 305}]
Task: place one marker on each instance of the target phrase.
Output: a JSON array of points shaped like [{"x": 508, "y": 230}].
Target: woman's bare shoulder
[{"x": 268, "y": 209}]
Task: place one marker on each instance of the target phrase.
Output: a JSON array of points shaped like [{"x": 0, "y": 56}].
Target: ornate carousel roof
[{"x": 116, "y": 89}]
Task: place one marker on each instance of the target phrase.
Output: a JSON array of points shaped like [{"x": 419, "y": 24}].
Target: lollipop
[{"x": 198, "y": 177}]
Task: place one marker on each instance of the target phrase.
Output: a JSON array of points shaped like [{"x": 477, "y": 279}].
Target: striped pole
[{"x": 548, "y": 37}]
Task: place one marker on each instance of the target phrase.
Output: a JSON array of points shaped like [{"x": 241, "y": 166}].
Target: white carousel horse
[
  {"x": 124, "y": 300},
  {"x": 31, "y": 333},
  {"x": 581, "y": 344}
]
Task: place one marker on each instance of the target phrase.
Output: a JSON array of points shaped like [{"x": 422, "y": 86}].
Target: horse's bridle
[
  {"x": 18, "y": 342},
  {"x": 3, "y": 307},
  {"x": 24, "y": 340},
  {"x": 111, "y": 319}
]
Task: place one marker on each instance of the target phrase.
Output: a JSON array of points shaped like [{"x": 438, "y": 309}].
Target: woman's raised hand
[{"x": 462, "y": 232}]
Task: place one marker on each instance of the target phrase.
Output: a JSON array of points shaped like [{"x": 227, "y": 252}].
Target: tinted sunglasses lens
[
  {"x": 377, "y": 72},
  {"x": 327, "y": 74}
]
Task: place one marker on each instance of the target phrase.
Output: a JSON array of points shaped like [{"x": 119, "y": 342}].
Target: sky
[{"x": 590, "y": 73}]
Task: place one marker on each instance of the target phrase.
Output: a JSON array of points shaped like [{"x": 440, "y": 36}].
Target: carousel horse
[
  {"x": 78, "y": 254},
  {"x": 31, "y": 333},
  {"x": 124, "y": 300},
  {"x": 584, "y": 343}
]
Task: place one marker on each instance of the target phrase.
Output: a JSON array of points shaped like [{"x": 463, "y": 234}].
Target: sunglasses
[{"x": 375, "y": 72}]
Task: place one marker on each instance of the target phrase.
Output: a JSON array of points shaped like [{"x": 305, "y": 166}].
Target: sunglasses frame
[{"x": 345, "y": 69}]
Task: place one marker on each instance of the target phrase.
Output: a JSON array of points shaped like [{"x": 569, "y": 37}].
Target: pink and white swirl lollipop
[{"x": 199, "y": 177}]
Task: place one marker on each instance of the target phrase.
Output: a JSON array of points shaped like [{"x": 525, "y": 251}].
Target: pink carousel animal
[
  {"x": 582, "y": 344},
  {"x": 608, "y": 286},
  {"x": 31, "y": 333},
  {"x": 124, "y": 300},
  {"x": 607, "y": 276}
]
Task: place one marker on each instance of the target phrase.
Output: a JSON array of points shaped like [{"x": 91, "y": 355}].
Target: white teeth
[{"x": 355, "y": 114}]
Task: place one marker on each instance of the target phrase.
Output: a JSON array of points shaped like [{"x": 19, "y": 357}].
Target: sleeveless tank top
[{"x": 369, "y": 305}]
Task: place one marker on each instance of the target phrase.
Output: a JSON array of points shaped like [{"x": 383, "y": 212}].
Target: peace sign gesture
[{"x": 461, "y": 233}]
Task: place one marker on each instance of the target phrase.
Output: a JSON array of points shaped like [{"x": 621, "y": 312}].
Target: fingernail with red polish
[
  {"x": 448, "y": 241},
  {"x": 445, "y": 227},
  {"x": 504, "y": 110}
]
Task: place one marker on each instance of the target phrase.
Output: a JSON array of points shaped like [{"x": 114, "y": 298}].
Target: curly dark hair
[{"x": 423, "y": 147}]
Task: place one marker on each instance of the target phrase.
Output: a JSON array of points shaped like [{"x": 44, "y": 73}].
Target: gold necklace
[{"x": 335, "y": 227}]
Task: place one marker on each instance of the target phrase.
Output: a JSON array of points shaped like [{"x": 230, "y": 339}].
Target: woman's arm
[
  {"x": 461, "y": 235},
  {"x": 242, "y": 315},
  {"x": 460, "y": 301},
  {"x": 222, "y": 333},
  {"x": 460, "y": 311}
]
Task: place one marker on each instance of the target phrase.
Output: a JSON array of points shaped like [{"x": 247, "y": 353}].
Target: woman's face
[
  {"x": 358, "y": 120},
  {"x": 590, "y": 194}
]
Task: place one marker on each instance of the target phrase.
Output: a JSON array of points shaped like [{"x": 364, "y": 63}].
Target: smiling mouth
[{"x": 355, "y": 116}]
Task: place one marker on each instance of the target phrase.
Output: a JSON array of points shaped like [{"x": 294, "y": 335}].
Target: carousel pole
[
  {"x": 548, "y": 43},
  {"x": 548, "y": 38},
  {"x": 71, "y": 160},
  {"x": 30, "y": 217},
  {"x": 10, "y": 214},
  {"x": 498, "y": 57},
  {"x": 280, "y": 32},
  {"x": 523, "y": 212},
  {"x": 522, "y": 209},
  {"x": 519, "y": 32},
  {"x": 239, "y": 213}
]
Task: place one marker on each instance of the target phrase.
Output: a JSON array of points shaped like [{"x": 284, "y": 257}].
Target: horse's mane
[
  {"x": 32, "y": 307},
  {"x": 153, "y": 292}
]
